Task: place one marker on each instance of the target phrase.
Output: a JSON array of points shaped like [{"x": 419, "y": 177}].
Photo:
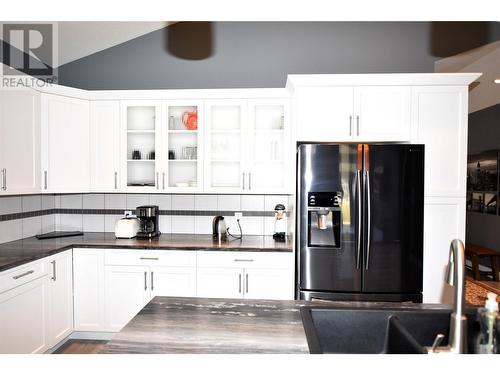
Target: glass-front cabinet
[
  {"x": 140, "y": 144},
  {"x": 183, "y": 162}
]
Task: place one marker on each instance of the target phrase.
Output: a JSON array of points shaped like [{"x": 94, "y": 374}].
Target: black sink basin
[{"x": 375, "y": 331}]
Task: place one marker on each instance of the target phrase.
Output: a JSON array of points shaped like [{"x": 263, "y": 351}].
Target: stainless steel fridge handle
[
  {"x": 368, "y": 219},
  {"x": 358, "y": 202}
]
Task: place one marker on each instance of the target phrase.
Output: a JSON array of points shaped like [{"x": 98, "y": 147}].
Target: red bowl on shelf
[{"x": 190, "y": 120}]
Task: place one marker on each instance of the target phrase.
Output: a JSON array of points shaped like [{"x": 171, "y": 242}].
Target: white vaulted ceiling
[{"x": 80, "y": 39}]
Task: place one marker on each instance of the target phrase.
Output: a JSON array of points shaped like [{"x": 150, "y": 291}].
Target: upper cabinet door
[
  {"x": 183, "y": 166},
  {"x": 140, "y": 147},
  {"x": 104, "y": 146},
  {"x": 382, "y": 113},
  {"x": 269, "y": 151},
  {"x": 324, "y": 114},
  {"x": 19, "y": 141},
  {"x": 65, "y": 144},
  {"x": 225, "y": 145}
]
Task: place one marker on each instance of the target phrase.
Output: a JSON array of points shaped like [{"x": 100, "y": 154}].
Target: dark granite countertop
[
  {"x": 16, "y": 253},
  {"x": 169, "y": 325}
]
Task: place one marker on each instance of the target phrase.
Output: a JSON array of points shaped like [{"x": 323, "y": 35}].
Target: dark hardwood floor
[{"x": 81, "y": 347}]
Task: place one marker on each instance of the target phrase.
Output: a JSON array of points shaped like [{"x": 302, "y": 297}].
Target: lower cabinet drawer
[
  {"x": 173, "y": 258},
  {"x": 247, "y": 259},
  {"x": 20, "y": 275}
]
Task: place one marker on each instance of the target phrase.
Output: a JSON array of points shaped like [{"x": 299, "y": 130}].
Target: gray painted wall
[
  {"x": 484, "y": 135},
  {"x": 261, "y": 54}
]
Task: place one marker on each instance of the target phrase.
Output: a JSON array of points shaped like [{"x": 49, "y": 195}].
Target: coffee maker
[{"x": 148, "y": 215}]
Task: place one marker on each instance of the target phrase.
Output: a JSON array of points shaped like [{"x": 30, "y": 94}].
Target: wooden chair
[{"x": 475, "y": 252}]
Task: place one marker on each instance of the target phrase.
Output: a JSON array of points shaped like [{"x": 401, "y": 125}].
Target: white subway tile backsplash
[
  {"x": 183, "y": 224},
  {"x": 163, "y": 201},
  {"x": 93, "y": 223},
  {"x": 10, "y": 205},
  {"x": 115, "y": 202},
  {"x": 136, "y": 200},
  {"x": 272, "y": 200},
  {"x": 229, "y": 202},
  {"x": 31, "y": 203},
  {"x": 250, "y": 225},
  {"x": 205, "y": 202},
  {"x": 71, "y": 201},
  {"x": 48, "y": 223},
  {"x": 203, "y": 224},
  {"x": 252, "y": 203},
  {"x": 165, "y": 224},
  {"x": 11, "y": 230},
  {"x": 48, "y": 202},
  {"x": 183, "y": 202},
  {"x": 110, "y": 222},
  {"x": 268, "y": 226},
  {"x": 32, "y": 226},
  {"x": 69, "y": 222},
  {"x": 93, "y": 202}
]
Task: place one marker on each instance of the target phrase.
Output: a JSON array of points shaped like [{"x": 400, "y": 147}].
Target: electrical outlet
[
  {"x": 238, "y": 215},
  {"x": 127, "y": 213}
]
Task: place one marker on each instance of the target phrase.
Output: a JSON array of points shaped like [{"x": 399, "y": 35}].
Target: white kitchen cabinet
[
  {"x": 19, "y": 141},
  {"x": 224, "y": 274},
  {"x": 24, "y": 318},
  {"x": 324, "y": 114},
  {"x": 247, "y": 146},
  {"x": 60, "y": 288},
  {"x": 65, "y": 144},
  {"x": 382, "y": 113},
  {"x": 272, "y": 283},
  {"x": 440, "y": 115},
  {"x": 354, "y": 114},
  {"x": 182, "y": 146},
  {"x": 127, "y": 291},
  {"x": 172, "y": 281},
  {"x": 88, "y": 290},
  {"x": 214, "y": 282},
  {"x": 141, "y": 145},
  {"x": 104, "y": 146}
]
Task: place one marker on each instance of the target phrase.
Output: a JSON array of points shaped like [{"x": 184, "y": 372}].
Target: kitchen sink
[{"x": 377, "y": 331}]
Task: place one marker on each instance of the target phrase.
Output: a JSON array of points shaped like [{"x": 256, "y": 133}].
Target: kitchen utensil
[
  {"x": 190, "y": 120},
  {"x": 148, "y": 216},
  {"x": 136, "y": 155},
  {"x": 151, "y": 155},
  {"x": 127, "y": 227},
  {"x": 219, "y": 229},
  {"x": 171, "y": 154}
]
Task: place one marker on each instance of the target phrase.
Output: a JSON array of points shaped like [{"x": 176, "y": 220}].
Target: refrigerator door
[
  {"x": 325, "y": 170},
  {"x": 393, "y": 218}
]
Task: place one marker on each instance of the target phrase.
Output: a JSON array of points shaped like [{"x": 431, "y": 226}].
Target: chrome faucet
[{"x": 455, "y": 276}]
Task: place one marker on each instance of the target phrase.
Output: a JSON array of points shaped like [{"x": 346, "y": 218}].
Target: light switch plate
[{"x": 238, "y": 215}]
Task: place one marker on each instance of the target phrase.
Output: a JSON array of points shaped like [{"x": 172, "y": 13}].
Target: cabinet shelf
[
  {"x": 141, "y": 160},
  {"x": 141, "y": 131},
  {"x": 183, "y": 160},
  {"x": 269, "y": 131},
  {"x": 225, "y": 161},
  {"x": 226, "y": 131},
  {"x": 182, "y": 131}
]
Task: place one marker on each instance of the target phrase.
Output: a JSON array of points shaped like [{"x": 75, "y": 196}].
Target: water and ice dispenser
[{"x": 324, "y": 219}]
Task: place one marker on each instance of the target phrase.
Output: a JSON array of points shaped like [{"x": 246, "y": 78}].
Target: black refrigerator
[{"x": 360, "y": 216}]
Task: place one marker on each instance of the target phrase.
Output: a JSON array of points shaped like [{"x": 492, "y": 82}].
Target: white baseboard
[{"x": 84, "y": 335}]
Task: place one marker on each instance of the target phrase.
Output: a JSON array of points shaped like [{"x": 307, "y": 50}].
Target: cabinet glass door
[
  {"x": 269, "y": 138},
  {"x": 225, "y": 145},
  {"x": 183, "y": 155},
  {"x": 140, "y": 145}
]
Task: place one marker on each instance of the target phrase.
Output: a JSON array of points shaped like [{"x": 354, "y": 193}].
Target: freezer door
[
  {"x": 327, "y": 169},
  {"x": 393, "y": 218}
]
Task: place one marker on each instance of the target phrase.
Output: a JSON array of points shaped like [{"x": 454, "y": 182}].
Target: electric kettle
[{"x": 219, "y": 229}]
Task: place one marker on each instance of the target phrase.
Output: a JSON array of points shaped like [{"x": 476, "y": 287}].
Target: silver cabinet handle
[
  {"x": 148, "y": 258},
  {"x": 116, "y": 180},
  {"x": 53, "y": 270},
  {"x": 246, "y": 282},
  {"x": 23, "y": 274},
  {"x": 157, "y": 181},
  {"x": 239, "y": 283},
  {"x": 163, "y": 177},
  {"x": 243, "y": 177},
  {"x": 350, "y": 126},
  {"x": 243, "y": 260},
  {"x": 249, "y": 180},
  {"x": 145, "y": 280},
  {"x": 5, "y": 178},
  {"x": 357, "y": 125},
  {"x": 368, "y": 219},
  {"x": 152, "y": 280},
  {"x": 358, "y": 202},
  {"x": 45, "y": 179}
]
